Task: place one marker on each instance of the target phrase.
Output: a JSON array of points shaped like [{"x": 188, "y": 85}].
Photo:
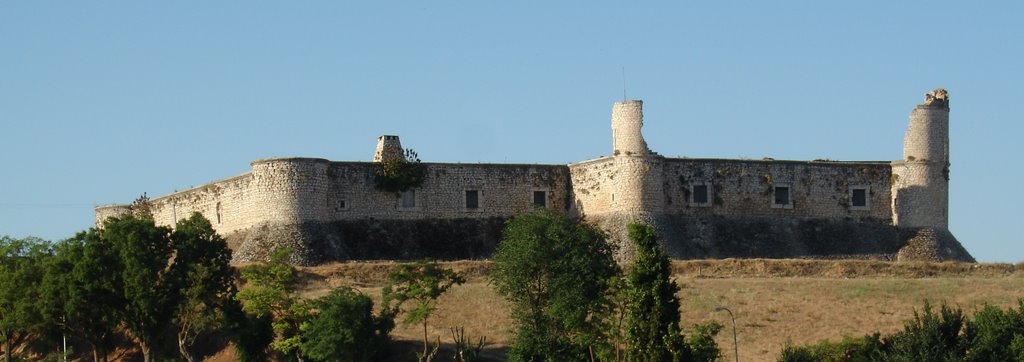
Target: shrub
[
  {"x": 343, "y": 328},
  {"x": 930, "y": 336},
  {"x": 863, "y": 349},
  {"x": 397, "y": 175}
]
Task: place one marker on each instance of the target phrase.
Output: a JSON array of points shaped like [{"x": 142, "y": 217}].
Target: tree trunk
[
  {"x": 183, "y": 349},
  {"x": 7, "y": 349},
  {"x": 146, "y": 357},
  {"x": 425, "y": 342}
]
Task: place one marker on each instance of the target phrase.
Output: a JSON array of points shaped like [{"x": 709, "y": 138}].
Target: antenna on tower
[{"x": 623, "y": 83}]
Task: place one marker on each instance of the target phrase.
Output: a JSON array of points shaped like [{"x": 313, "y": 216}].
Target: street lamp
[{"x": 734, "y": 343}]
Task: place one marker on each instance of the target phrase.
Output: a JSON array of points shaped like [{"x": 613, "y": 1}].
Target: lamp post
[{"x": 734, "y": 343}]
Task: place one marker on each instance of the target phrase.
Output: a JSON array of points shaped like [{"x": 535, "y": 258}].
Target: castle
[{"x": 700, "y": 208}]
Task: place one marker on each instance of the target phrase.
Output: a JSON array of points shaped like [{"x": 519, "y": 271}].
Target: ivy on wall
[{"x": 397, "y": 175}]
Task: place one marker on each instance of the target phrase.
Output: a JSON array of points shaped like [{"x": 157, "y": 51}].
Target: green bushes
[
  {"x": 946, "y": 335},
  {"x": 337, "y": 327},
  {"x": 343, "y": 328}
]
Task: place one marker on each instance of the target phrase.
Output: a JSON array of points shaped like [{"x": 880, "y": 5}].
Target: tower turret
[
  {"x": 921, "y": 189},
  {"x": 627, "y": 119},
  {"x": 388, "y": 148}
]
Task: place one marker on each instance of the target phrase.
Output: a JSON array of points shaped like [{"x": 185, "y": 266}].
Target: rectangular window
[
  {"x": 409, "y": 199},
  {"x": 782, "y": 197},
  {"x": 700, "y": 194},
  {"x": 472, "y": 199},
  {"x": 540, "y": 198},
  {"x": 859, "y": 197}
]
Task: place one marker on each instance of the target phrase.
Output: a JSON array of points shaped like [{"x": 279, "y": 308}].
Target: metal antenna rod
[{"x": 623, "y": 83}]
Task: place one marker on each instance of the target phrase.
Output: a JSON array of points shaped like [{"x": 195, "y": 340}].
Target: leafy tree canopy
[{"x": 556, "y": 274}]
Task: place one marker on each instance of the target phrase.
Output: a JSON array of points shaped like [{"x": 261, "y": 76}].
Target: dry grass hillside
[{"x": 775, "y": 301}]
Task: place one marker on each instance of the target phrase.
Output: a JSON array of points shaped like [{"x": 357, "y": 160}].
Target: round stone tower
[
  {"x": 636, "y": 182},
  {"x": 921, "y": 185},
  {"x": 627, "y": 119},
  {"x": 388, "y": 148}
]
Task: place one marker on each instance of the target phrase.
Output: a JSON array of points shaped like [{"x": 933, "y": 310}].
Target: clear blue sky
[{"x": 100, "y": 102}]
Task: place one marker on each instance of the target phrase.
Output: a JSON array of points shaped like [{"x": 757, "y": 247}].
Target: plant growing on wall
[{"x": 397, "y": 175}]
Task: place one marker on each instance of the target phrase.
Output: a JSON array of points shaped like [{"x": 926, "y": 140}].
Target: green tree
[
  {"x": 652, "y": 318},
  {"x": 421, "y": 283},
  {"x": 21, "y": 273},
  {"x": 268, "y": 293},
  {"x": 82, "y": 282},
  {"x": 149, "y": 288},
  {"x": 205, "y": 279},
  {"x": 343, "y": 328},
  {"x": 556, "y": 274},
  {"x": 250, "y": 334}
]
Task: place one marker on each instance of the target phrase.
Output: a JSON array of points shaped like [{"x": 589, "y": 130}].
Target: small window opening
[
  {"x": 540, "y": 198},
  {"x": 859, "y": 198},
  {"x": 409, "y": 198},
  {"x": 472, "y": 199},
  {"x": 782, "y": 196},
  {"x": 218, "y": 213},
  {"x": 700, "y": 194}
]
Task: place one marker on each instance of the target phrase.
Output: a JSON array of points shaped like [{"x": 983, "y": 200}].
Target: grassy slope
[{"x": 774, "y": 300}]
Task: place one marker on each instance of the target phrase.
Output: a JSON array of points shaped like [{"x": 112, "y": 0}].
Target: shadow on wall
[
  {"x": 372, "y": 239},
  {"x": 761, "y": 237}
]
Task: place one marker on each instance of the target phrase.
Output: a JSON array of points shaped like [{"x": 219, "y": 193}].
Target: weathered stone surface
[
  {"x": 331, "y": 210},
  {"x": 931, "y": 244}
]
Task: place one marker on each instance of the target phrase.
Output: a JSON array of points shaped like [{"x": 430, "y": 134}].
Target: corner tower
[{"x": 920, "y": 185}]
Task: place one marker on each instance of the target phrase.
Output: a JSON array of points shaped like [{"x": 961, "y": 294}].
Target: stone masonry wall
[
  {"x": 744, "y": 188},
  {"x": 225, "y": 203},
  {"x": 502, "y": 190},
  {"x": 295, "y": 190},
  {"x": 921, "y": 196}
]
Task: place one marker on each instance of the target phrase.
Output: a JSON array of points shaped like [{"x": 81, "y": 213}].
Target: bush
[
  {"x": 702, "y": 345},
  {"x": 864, "y": 349},
  {"x": 993, "y": 335},
  {"x": 343, "y": 328},
  {"x": 930, "y": 336}
]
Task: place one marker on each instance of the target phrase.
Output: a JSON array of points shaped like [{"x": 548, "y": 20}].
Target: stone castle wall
[
  {"x": 745, "y": 188},
  {"x": 226, "y": 203},
  {"x": 295, "y": 190},
  {"x": 746, "y": 208}
]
